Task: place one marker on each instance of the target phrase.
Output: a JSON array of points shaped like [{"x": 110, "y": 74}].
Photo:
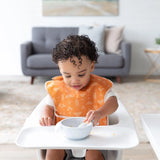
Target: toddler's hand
[
  {"x": 46, "y": 121},
  {"x": 93, "y": 115},
  {"x": 46, "y": 116}
]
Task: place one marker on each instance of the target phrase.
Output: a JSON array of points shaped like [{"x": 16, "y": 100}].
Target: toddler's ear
[{"x": 92, "y": 66}]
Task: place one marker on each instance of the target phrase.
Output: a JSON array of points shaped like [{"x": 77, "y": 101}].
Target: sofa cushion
[
  {"x": 113, "y": 37},
  {"x": 45, "y": 38},
  {"x": 110, "y": 60},
  {"x": 95, "y": 33},
  {"x": 43, "y": 61}
]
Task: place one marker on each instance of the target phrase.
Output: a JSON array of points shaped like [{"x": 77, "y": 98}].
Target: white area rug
[{"x": 18, "y": 99}]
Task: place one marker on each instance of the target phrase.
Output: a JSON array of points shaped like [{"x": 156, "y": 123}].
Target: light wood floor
[{"x": 12, "y": 152}]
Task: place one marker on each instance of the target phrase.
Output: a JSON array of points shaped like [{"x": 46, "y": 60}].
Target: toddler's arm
[
  {"x": 47, "y": 115},
  {"x": 108, "y": 108}
]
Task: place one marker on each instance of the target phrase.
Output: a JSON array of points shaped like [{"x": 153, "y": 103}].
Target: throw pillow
[
  {"x": 95, "y": 33},
  {"x": 113, "y": 38}
]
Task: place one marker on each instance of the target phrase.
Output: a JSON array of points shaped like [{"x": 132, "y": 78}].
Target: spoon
[{"x": 83, "y": 124}]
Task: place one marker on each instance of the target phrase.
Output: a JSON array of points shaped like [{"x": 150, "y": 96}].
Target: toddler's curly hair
[{"x": 75, "y": 45}]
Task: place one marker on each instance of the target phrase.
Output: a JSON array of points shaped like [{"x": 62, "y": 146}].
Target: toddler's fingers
[
  {"x": 91, "y": 116},
  {"x": 46, "y": 121},
  {"x": 42, "y": 121},
  {"x": 88, "y": 115},
  {"x": 95, "y": 122},
  {"x": 50, "y": 121}
]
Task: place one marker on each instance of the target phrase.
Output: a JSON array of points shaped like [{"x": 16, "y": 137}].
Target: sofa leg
[
  {"x": 119, "y": 79},
  {"x": 32, "y": 79}
]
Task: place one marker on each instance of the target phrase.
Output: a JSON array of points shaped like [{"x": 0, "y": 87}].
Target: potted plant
[{"x": 157, "y": 41}]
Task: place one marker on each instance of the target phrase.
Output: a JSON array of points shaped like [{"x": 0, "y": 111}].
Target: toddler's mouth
[{"x": 76, "y": 87}]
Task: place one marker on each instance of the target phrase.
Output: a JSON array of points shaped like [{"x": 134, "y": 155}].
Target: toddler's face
[{"x": 76, "y": 76}]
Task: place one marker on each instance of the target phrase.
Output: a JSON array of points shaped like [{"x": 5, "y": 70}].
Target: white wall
[{"x": 17, "y": 17}]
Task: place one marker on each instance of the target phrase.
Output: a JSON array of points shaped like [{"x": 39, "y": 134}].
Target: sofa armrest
[
  {"x": 25, "y": 50},
  {"x": 126, "y": 53}
]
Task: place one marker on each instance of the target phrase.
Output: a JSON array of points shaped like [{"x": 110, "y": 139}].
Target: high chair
[{"x": 112, "y": 139}]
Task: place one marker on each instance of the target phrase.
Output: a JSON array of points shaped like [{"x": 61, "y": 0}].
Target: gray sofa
[{"x": 36, "y": 55}]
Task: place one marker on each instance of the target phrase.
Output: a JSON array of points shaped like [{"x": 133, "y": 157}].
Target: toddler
[{"x": 77, "y": 93}]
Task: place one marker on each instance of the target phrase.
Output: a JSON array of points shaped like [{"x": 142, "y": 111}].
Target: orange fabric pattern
[{"x": 76, "y": 103}]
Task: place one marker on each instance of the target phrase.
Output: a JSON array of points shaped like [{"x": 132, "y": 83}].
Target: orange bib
[{"x": 76, "y": 103}]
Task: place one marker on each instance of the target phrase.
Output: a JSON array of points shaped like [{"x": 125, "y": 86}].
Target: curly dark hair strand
[{"x": 75, "y": 45}]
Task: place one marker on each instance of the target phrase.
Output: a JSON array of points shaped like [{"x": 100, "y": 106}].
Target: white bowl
[{"x": 71, "y": 130}]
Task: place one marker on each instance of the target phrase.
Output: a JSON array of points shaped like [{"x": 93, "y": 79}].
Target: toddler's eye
[
  {"x": 68, "y": 76},
  {"x": 81, "y": 75}
]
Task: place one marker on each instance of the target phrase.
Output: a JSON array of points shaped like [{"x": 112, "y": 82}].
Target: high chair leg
[
  {"x": 41, "y": 154},
  {"x": 114, "y": 155},
  {"x": 79, "y": 152}
]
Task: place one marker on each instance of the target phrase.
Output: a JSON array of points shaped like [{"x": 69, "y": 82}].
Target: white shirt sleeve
[
  {"x": 108, "y": 94},
  {"x": 49, "y": 101}
]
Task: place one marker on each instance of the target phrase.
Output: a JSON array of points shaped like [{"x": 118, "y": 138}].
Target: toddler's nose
[{"x": 75, "y": 80}]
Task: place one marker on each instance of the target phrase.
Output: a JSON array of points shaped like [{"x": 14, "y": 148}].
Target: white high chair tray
[
  {"x": 121, "y": 135},
  {"x": 150, "y": 124},
  {"x": 101, "y": 137}
]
